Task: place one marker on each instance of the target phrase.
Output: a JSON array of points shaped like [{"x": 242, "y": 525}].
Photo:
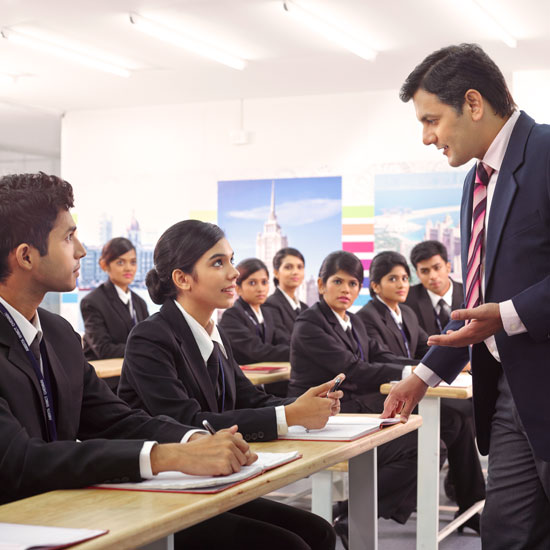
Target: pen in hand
[{"x": 208, "y": 426}]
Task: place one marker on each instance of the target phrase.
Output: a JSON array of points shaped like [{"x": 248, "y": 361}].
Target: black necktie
[
  {"x": 213, "y": 367},
  {"x": 444, "y": 313},
  {"x": 35, "y": 348}
]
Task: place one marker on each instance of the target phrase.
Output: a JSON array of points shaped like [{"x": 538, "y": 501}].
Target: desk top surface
[
  {"x": 450, "y": 392},
  {"x": 137, "y": 518}
]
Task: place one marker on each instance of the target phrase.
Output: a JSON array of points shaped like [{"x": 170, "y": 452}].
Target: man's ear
[
  {"x": 23, "y": 256},
  {"x": 475, "y": 104},
  {"x": 182, "y": 280}
]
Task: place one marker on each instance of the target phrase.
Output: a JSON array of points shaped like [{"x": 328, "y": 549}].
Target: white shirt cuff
[
  {"x": 510, "y": 319},
  {"x": 282, "y": 426},
  {"x": 188, "y": 435},
  {"x": 145, "y": 470},
  {"x": 427, "y": 375}
]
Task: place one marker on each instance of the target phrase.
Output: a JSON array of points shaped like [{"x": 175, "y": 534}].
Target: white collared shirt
[
  {"x": 258, "y": 314},
  {"x": 206, "y": 346},
  {"x": 447, "y": 298},
  {"x": 396, "y": 316},
  {"x": 294, "y": 304},
  {"x": 344, "y": 323}
]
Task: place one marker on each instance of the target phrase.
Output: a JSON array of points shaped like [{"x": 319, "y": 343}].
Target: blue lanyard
[
  {"x": 43, "y": 379},
  {"x": 256, "y": 324},
  {"x": 405, "y": 340}
]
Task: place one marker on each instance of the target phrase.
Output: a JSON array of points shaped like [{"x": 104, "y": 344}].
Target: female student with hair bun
[
  {"x": 179, "y": 363},
  {"x": 288, "y": 275},
  {"x": 249, "y": 325},
  {"x": 112, "y": 309},
  {"x": 327, "y": 339},
  {"x": 394, "y": 324}
]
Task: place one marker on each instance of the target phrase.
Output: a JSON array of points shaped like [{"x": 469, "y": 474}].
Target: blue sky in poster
[{"x": 309, "y": 211}]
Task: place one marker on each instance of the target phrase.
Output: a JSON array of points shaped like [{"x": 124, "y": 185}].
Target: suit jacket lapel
[
  {"x": 339, "y": 331},
  {"x": 466, "y": 219},
  {"x": 458, "y": 295},
  {"x": 427, "y": 311},
  {"x": 390, "y": 324},
  {"x": 190, "y": 351},
  {"x": 121, "y": 309},
  {"x": 505, "y": 190},
  {"x": 409, "y": 321}
]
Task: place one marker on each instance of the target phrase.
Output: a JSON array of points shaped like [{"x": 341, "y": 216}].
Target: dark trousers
[
  {"x": 261, "y": 524},
  {"x": 517, "y": 509},
  {"x": 458, "y": 434}
]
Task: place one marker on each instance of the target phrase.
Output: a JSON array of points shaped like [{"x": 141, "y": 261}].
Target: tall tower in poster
[{"x": 271, "y": 238}]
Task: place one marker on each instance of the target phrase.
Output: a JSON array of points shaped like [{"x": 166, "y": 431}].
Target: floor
[{"x": 391, "y": 535}]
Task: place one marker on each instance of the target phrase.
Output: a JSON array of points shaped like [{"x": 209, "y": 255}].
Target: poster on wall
[
  {"x": 261, "y": 216},
  {"x": 410, "y": 208}
]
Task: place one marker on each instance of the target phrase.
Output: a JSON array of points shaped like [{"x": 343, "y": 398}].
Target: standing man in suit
[
  {"x": 462, "y": 100},
  {"x": 437, "y": 294}
]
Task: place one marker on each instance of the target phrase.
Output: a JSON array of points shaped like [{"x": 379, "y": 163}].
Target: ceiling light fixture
[
  {"x": 330, "y": 31},
  {"x": 489, "y": 21},
  {"x": 177, "y": 38},
  {"x": 58, "y": 48}
]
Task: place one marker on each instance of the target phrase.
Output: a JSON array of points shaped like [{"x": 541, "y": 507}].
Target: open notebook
[
  {"x": 185, "y": 483},
  {"x": 14, "y": 536},
  {"x": 341, "y": 428}
]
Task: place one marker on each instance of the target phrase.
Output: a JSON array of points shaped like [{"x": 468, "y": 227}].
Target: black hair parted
[
  {"x": 451, "y": 71},
  {"x": 426, "y": 250},
  {"x": 248, "y": 267},
  {"x": 115, "y": 248},
  {"x": 179, "y": 247},
  {"x": 382, "y": 264},
  {"x": 280, "y": 255},
  {"x": 341, "y": 261},
  {"x": 29, "y": 206}
]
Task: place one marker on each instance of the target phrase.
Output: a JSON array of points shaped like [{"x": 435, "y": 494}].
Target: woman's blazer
[
  {"x": 381, "y": 326},
  {"x": 164, "y": 373},
  {"x": 242, "y": 328},
  {"x": 320, "y": 349},
  {"x": 283, "y": 314},
  {"x": 107, "y": 321}
]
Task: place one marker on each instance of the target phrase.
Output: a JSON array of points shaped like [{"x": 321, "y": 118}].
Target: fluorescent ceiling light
[
  {"x": 177, "y": 38},
  {"x": 489, "y": 21},
  {"x": 58, "y": 48},
  {"x": 329, "y": 31}
]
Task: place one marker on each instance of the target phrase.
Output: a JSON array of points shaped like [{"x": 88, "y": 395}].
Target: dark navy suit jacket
[{"x": 517, "y": 266}]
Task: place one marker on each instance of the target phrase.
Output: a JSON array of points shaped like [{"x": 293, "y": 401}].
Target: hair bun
[{"x": 157, "y": 290}]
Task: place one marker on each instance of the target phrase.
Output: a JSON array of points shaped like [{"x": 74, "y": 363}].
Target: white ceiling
[{"x": 284, "y": 58}]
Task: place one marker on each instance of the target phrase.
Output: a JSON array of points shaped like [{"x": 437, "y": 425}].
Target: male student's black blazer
[
  {"x": 419, "y": 300},
  {"x": 320, "y": 349},
  {"x": 164, "y": 373},
  {"x": 107, "y": 321},
  {"x": 241, "y": 327},
  {"x": 85, "y": 409},
  {"x": 380, "y": 325},
  {"x": 283, "y": 314}
]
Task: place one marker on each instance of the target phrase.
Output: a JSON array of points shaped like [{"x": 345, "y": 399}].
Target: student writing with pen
[{"x": 179, "y": 363}]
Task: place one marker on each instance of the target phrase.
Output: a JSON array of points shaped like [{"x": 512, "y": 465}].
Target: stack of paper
[
  {"x": 22, "y": 537},
  {"x": 186, "y": 483},
  {"x": 341, "y": 428}
]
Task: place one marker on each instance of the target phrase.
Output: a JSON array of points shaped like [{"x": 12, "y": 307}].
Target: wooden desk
[
  {"x": 135, "y": 519},
  {"x": 106, "y": 368},
  {"x": 258, "y": 378},
  {"x": 428, "y": 535}
]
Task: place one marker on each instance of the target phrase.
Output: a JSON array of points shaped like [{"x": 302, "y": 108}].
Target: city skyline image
[{"x": 261, "y": 216}]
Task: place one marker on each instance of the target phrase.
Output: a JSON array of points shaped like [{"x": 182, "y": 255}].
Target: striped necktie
[{"x": 475, "y": 251}]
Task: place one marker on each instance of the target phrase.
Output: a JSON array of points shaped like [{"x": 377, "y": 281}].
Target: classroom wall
[{"x": 168, "y": 159}]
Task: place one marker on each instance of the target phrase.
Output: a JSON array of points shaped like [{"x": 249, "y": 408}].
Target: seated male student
[
  {"x": 437, "y": 294},
  {"x": 60, "y": 425}
]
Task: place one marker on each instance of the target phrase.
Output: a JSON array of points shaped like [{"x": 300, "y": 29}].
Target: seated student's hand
[
  {"x": 313, "y": 408},
  {"x": 220, "y": 454},
  {"x": 404, "y": 397}
]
